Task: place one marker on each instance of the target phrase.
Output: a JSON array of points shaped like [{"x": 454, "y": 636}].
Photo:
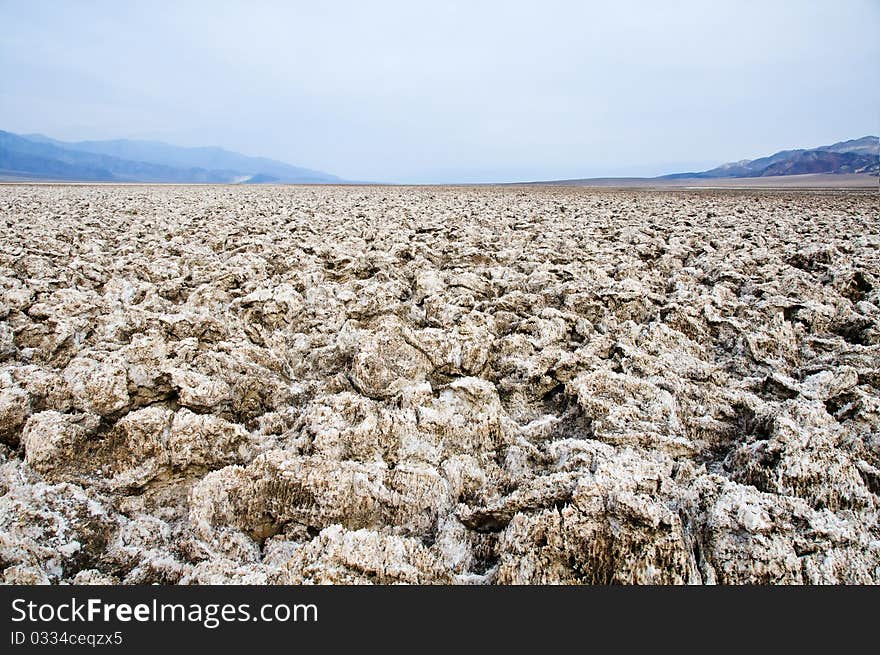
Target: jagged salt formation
[{"x": 472, "y": 385}]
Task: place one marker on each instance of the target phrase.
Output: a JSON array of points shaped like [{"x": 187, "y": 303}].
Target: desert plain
[{"x": 453, "y": 385}]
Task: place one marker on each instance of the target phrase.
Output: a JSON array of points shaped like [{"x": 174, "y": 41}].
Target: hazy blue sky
[{"x": 412, "y": 91}]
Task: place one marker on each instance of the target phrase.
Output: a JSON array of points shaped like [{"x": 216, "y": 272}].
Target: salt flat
[
  {"x": 438, "y": 385},
  {"x": 809, "y": 181}
]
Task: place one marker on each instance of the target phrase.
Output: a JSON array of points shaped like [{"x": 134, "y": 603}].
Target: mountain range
[
  {"x": 854, "y": 156},
  {"x": 37, "y": 157}
]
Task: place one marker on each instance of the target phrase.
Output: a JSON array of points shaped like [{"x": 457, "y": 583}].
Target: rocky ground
[{"x": 438, "y": 385}]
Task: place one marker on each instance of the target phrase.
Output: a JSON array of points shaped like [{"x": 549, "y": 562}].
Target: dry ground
[
  {"x": 809, "y": 181},
  {"x": 442, "y": 385}
]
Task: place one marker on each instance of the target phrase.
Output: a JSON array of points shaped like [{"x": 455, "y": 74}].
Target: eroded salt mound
[{"x": 485, "y": 385}]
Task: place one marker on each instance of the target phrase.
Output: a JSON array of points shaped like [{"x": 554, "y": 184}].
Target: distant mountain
[
  {"x": 39, "y": 157},
  {"x": 867, "y": 145},
  {"x": 854, "y": 156},
  {"x": 208, "y": 158},
  {"x": 21, "y": 157}
]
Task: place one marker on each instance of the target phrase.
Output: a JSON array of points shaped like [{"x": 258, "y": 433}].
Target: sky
[{"x": 443, "y": 92}]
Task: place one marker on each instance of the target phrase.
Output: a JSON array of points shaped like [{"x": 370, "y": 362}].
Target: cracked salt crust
[{"x": 438, "y": 385}]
